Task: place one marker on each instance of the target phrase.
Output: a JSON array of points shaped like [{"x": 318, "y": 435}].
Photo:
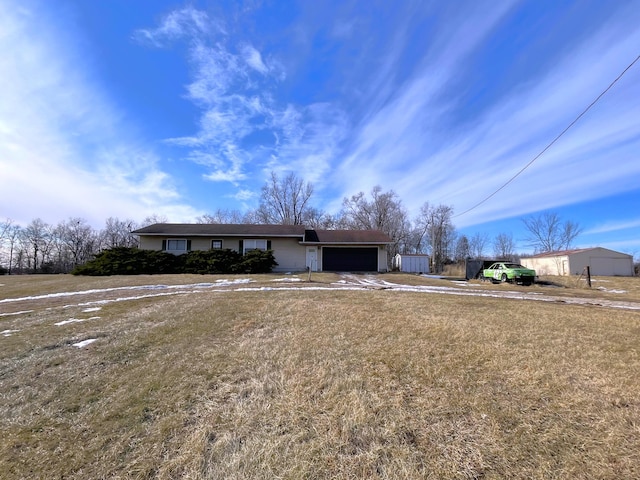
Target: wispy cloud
[
  {"x": 63, "y": 147},
  {"x": 230, "y": 84},
  {"x": 609, "y": 227},
  {"x": 186, "y": 22},
  {"x": 311, "y": 141},
  {"x": 410, "y": 144},
  {"x": 245, "y": 195},
  {"x": 253, "y": 58}
]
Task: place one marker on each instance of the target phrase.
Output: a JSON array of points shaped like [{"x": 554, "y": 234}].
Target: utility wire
[{"x": 553, "y": 141}]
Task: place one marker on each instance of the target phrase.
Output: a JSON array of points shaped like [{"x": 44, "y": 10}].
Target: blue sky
[{"x": 126, "y": 108}]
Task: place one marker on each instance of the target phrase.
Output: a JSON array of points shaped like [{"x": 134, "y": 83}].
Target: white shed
[
  {"x": 601, "y": 261},
  {"x": 411, "y": 263}
]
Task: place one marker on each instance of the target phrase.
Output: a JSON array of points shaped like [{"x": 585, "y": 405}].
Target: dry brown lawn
[{"x": 214, "y": 383}]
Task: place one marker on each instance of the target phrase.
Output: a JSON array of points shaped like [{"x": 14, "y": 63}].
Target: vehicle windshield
[{"x": 513, "y": 265}]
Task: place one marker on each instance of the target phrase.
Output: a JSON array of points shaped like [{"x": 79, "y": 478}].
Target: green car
[{"x": 509, "y": 272}]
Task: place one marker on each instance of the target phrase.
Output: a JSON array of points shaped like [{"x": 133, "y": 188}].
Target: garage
[{"x": 350, "y": 259}]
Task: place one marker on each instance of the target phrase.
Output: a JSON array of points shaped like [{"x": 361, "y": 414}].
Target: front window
[
  {"x": 176, "y": 245},
  {"x": 254, "y": 245},
  {"x": 216, "y": 244}
]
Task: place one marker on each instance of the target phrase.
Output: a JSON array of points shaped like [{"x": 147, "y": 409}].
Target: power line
[{"x": 553, "y": 141}]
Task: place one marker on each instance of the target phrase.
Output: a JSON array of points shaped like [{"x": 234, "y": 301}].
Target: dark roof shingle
[
  {"x": 252, "y": 230},
  {"x": 352, "y": 236},
  {"x": 209, "y": 229}
]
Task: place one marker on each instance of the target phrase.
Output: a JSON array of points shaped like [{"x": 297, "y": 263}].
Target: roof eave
[
  {"x": 244, "y": 235},
  {"x": 346, "y": 243}
]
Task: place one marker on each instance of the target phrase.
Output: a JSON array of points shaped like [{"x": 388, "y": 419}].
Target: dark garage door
[{"x": 337, "y": 259}]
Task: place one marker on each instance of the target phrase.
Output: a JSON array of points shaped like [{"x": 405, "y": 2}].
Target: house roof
[
  {"x": 307, "y": 236},
  {"x": 561, "y": 253},
  {"x": 374, "y": 237},
  {"x": 213, "y": 229}
]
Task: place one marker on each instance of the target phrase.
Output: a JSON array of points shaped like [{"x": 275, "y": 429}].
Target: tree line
[{"x": 44, "y": 248}]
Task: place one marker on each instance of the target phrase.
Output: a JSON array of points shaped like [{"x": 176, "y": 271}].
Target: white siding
[
  {"x": 547, "y": 265},
  {"x": 290, "y": 255},
  {"x": 412, "y": 263}
]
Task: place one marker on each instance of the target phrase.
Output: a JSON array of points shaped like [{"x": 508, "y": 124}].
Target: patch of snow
[
  {"x": 84, "y": 343},
  {"x": 124, "y": 299},
  {"x": 74, "y": 320},
  {"x": 8, "y": 333},
  {"x": 92, "y": 309},
  {"x": 292, "y": 279},
  {"x": 106, "y": 290},
  {"x": 15, "y": 313},
  {"x": 295, "y": 289},
  {"x": 71, "y": 320},
  {"x": 602, "y": 289},
  {"x": 238, "y": 281}
]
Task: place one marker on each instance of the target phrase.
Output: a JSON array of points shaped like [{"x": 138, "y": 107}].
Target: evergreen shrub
[{"x": 133, "y": 261}]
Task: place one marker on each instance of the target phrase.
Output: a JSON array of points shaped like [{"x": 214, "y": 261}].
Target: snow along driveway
[{"x": 99, "y": 297}]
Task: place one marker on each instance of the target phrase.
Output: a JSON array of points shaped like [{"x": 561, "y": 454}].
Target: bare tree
[
  {"x": 284, "y": 201},
  {"x": 478, "y": 244},
  {"x": 221, "y": 216},
  {"x": 318, "y": 219},
  {"x": 154, "y": 218},
  {"x": 8, "y": 234},
  {"x": 463, "y": 249},
  {"x": 4, "y": 228},
  {"x": 382, "y": 211},
  {"x": 77, "y": 242},
  {"x": 504, "y": 247},
  {"x": 117, "y": 233},
  {"x": 12, "y": 236},
  {"x": 37, "y": 240},
  {"x": 434, "y": 224},
  {"x": 549, "y": 234}
]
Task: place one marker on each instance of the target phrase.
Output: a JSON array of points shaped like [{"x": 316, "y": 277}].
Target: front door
[{"x": 312, "y": 258}]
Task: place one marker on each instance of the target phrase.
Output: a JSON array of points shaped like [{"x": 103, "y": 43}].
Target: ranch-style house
[{"x": 295, "y": 247}]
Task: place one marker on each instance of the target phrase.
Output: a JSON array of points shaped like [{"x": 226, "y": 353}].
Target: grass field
[{"x": 196, "y": 377}]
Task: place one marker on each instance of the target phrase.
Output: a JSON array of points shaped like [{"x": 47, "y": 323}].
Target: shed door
[{"x": 341, "y": 259}]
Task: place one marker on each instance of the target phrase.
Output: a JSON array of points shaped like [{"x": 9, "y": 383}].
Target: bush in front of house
[
  {"x": 133, "y": 261},
  {"x": 257, "y": 261},
  {"x": 209, "y": 261},
  {"x": 128, "y": 261}
]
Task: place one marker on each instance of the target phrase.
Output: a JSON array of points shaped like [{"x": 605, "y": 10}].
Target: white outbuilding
[
  {"x": 601, "y": 261},
  {"x": 411, "y": 263}
]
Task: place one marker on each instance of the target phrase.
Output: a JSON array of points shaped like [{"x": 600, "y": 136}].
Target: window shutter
[
  {"x": 241, "y": 248},
  {"x": 164, "y": 245},
  {"x": 268, "y": 244},
  {"x": 188, "y": 245}
]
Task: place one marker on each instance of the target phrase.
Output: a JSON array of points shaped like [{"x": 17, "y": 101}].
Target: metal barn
[{"x": 601, "y": 261}]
